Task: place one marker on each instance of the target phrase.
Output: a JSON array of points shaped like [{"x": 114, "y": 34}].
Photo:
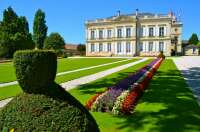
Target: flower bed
[{"x": 121, "y": 97}]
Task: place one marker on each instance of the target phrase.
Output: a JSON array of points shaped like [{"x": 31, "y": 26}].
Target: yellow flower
[{"x": 12, "y": 130}]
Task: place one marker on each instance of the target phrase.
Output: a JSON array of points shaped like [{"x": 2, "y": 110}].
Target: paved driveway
[{"x": 190, "y": 69}]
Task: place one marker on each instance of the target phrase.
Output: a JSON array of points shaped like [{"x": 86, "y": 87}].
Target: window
[
  {"x": 161, "y": 31},
  {"x": 151, "y": 32},
  {"x": 100, "y": 34},
  {"x": 109, "y": 47},
  {"x": 100, "y": 47},
  {"x": 150, "y": 46},
  {"x": 141, "y": 31},
  {"x": 128, "y": 32},
  {"x": 141, "y": 46},
  {"x": 119, "y": 47},
  {"x": 128, "y": 47},
  {"x": 119, "y": 33},
  {"x": 109, "y": 32},
  {"x": 92, "y": 47},
  {"x": 161, "y": 46},
  {"x": 93, "y": 35}
]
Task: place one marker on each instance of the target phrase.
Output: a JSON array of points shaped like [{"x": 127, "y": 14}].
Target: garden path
[
  {"x": 68, "y": 72},
  {"x": 190, "y": 69},
  {"x": 86, "y": 79}
]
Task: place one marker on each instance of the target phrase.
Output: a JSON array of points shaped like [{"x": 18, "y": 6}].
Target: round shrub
[
  {"x": 35, "y": 69},
  {"x": 28, "y": 112}
]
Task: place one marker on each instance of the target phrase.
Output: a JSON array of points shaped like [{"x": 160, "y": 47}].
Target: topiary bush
[
  {"x": 35, "y": 69},
  {"x": 161, "y": 55},
  {"x": 44, "y": 105}
]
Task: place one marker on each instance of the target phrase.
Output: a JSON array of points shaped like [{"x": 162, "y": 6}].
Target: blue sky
[{"x": 68, "y": 16}]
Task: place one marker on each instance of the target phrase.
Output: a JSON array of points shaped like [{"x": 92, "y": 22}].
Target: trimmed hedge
[
  {"x": 35, "y": 69},
  {"x": 38, "y": 112},
  {"x": 44, "y": 105}
]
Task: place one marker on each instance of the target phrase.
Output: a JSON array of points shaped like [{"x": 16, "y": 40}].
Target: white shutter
[
  {"x": 96, "y": 33},
  {"x": 154, "y": 31},
  {"x": 123, "y": 31},
  {"x": 147, "y": 31},
  {"x": 88, "y": 33},
  {"x": 147, "y": 46},
  {"x": 157, "y": 31},
  {"x": 164, "y": 47},
  {"x": 144, "y": 31},
  {"x": 165, "y": 31}
]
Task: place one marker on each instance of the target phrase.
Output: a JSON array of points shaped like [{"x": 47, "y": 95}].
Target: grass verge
[{"x": 7, "y": 72}]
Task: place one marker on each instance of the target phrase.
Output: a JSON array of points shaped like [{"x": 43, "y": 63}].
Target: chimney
[
  {"x": 118, "y": 13},
  {"x": 170, "y": 14},
  {"x": 136, "y": 13}
]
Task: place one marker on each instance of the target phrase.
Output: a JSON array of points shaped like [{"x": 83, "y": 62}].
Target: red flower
[
  {"x": 90, "y": 102},
  {"x": 131, "y": 99}
]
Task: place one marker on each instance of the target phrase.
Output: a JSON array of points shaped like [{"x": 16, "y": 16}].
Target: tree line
[
  {"x": 15, "y": 34},
  {"x": 194, "y": 39}
]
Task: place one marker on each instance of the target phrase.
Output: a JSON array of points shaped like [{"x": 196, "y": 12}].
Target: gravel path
[
  {"x": 68, "y": 72},
  {"x": 86, "y": 79},
  {"x": 190, "y": 69}
]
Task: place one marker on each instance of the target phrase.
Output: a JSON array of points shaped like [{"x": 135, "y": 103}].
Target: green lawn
[
  {"x": 7, "y": 72},
  {"x": 10, "y": 91},
  {"x": 168, "y": 104}
]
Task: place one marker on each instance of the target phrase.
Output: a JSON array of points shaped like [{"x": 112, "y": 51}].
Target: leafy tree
[
  {"x": 194, "y": 39},
  {"x": 54, "y": 41},
  {"x": 39, "y": 29},
  {"x": 14, "y": 34},
  {"x": 81, "y": 48}
]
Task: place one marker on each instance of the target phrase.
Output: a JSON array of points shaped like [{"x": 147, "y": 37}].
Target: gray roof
[{"x": 191, "y": 46}]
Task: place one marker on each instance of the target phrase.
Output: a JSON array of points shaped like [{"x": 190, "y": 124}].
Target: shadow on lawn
[
  {"x": 181, "y": 111},
  {"x": 93, "y": 88}
]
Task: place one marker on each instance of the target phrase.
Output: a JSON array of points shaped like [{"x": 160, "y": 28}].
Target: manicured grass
[
  {"x": 71, "y": 76},
  {"x": 15, "y": 89},
  {"x": 167, "y": 105},
  {"x": 7, "y": 72},
  {"x": 69, "y": 64}
]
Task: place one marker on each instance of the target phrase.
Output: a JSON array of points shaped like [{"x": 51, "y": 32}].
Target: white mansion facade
[{"x": 140, "y": 34}]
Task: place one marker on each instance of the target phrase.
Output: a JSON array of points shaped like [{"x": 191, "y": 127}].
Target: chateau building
[{"x": 139, "y": 34}]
